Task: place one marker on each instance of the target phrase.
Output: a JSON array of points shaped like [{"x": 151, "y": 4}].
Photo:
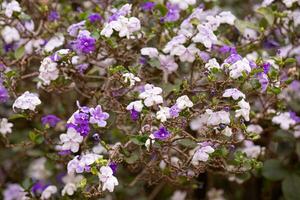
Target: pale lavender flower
[
  {"x": 174, "y": 111},
  {"x": 173, "y": 13},
  {"x": 51, "y": 120},
  {"x": 98, "y": 116},
  {"x": 53, "y": 16}
]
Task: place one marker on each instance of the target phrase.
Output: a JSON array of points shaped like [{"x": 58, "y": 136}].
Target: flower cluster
[{"x": 184, "y": 99}]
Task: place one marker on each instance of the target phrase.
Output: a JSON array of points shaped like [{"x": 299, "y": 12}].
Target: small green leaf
[
  {"x": 290, "y": 187},
  {"x": 273, "y": 170},
  {"x": 139, "y": 140},
  {"x": 132, "y": 158},
  {"x": 290, "y": 60},
  {"x": 267, "y": 13},
  {"x": 187, "y": 143},
  {"x": 163, "y": 10},
  {"x": 19, "y": 52}
]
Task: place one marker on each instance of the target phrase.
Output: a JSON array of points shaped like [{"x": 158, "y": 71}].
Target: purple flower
[
  {"x": 162, "y": 133},
  {"x": 4, "y": 96},
  {"x": 173, "y": 13},
  {"x": 294, "y": 116},
  {"x": 81, "y": 123},
  {"x": 227, "y": 49},
  {"x": 263, "y": 80},
  {"x": 64, "y": 152},
  {"x": 98, "y": 117},
  {"x": 174, "y": 111},
  {"x": 84, "y": 44},
  {"x": 252, "y": 64},
  {"x": 51, "y": 120},
  {"x": 94, "y": 17},
  {"x": 38, "y": 187},
  {"x": 148, "y": 6},
  {"x": 81, "y": 118},
  {"x": 82, "y": 67},
  {"x": 270, "y": 44},
  {"x": 266, "y": 66},
  {"x": 134, "y": 114},
  {"x": 113, "y": 167},
  {"x": 233, "y": 58},
  {"x": 53, "y": 16}
]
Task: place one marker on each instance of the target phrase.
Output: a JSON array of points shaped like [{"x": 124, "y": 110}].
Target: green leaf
[
  {"x": 132, "y": 158},
  {"x": 187, "y": 143},
  {"x": 242, "y": 25},
  {"x": 267, "y": 13},
  {"x": 19, "y": 52},
  {"x": 163, "y": 10},
  {"x": 273, "y": 170},
  {"x": 290, "y": 187},
  {"x": 290, "y": 60},
  {"x": 139, "y": 139}
]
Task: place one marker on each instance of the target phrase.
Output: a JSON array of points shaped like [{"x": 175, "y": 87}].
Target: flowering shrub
[{"x": 174, "y": 99}]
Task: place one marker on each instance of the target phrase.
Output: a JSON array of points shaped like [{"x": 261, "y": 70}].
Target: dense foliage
[{"x": 161, "y": 99}]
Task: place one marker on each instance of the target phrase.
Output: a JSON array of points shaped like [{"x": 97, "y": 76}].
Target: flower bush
[{"x": 174, "y": 99}]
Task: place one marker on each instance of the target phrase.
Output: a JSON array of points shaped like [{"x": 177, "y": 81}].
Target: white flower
[
  {"x": 27, "y": 101},
  {"x": 289, "y": 3},
  {"x": 150, "y": 141},
  {"x": 177, "y": 40},
  {"x": 212, "y": 63},
  {"x": 48, "y": 192},
  {"x": 252, "y": 150},
  {"x": 54, "y": 42},
  {"x": 216, "y": 118},
  {"x": 33, "y": 44},
  {"x": 71, "y": 140},
  {"x": 136, "y": 105},
  {"x": 199, "y": 122},
  {"x": 78, "y": 164},
  {"x": 125, "y": 26},
  {"x": 183, "y": 4},
  {"x": 226, "y": 17},
  {"x": 296, "y": 132},
  {"x": 109, "y": 181},
  {"x": 5, "y": 126},
  {"x": 99, "y": 149},
  {"x": 185, "y": 54},
  {"x": 205, "y": 36},
  {"x": 71, "y": 182},
  {"x": 284, "y": 120},
  {"x": 11, "y": 7},
  {"x": 179, "y": 195},
  {"x": 167, "y": 63},
  {"x": 149, "y": 51},
  {"x": 131, "y": 78},
  {"x": 48, "y": 71},
  {"x": 163, "y": 114},
  {"x": 227, "y": 131},
  {"x": 10, "y": 34},
  {"x": 37, "y": 169},
  {"x": 214, "y": 194},
  {"x": 267, "y": 2},
  {"x": 253, "y": 128},
  {"x": 202, "y": 154},
  {"x": 184, "y": 102},
  {"x": 234, "y": 93},
  {"x": 237, "y": 68},
  {"x": 295, "y": 15},
  {"x": 151, "y": 95},
  {"x": 244, "y": 111}
]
